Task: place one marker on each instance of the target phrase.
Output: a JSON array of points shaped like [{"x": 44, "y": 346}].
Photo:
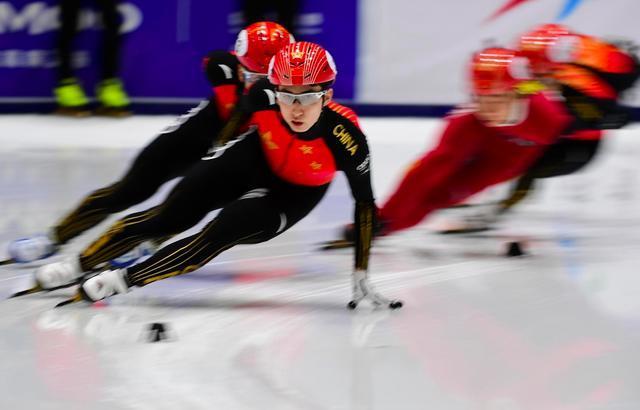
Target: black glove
[
  {"x": 220, "y": 67},
  {"x": 261, "y": 96}
]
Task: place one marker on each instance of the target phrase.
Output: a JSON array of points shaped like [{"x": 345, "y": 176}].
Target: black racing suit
[
  {"x": 170, "y": 154},
  {"x": 256, "y": 204},
  {"x": 590, "y": 112}
]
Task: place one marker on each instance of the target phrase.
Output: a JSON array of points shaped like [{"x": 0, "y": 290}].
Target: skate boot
[
  {"x": 114, "y": 101},
  {"x": 103, "y": 285},
  {"x": 71, "y": 98},
  {"x": 59, "y": 274},
  {"x": 136, "y": 254},
  {"x": 27, "y": 250}
]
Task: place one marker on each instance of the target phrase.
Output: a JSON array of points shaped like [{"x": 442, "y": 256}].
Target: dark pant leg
[
  {"x": 254, "y": 10},
  {"x": 563, "y": 158},
  {"x": 256, "y": 217},
  {"x": 207, "y": 186},
  {"x": 168, "y": 156},
  {"x": 287, "y": 11},
  {"x": 69, "y": 10},
  {"x": 111, "y": 38}
]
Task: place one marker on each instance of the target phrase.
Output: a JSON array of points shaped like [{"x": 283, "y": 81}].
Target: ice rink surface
[{"x": 265, "y": 326}]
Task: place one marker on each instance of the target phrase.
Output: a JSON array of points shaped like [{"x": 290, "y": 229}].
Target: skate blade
[
  {"x": 35, "y": 289},
  {"x": 75, "y": 299},
  {"x": 73, "y": 112},
  {"x": 336, "y": 244},
  {"x": 7, "y": 262},
  {"x": 462, "y": 231}
]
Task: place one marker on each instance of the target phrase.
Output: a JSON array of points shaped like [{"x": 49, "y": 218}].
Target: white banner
[{"x": 417, "y": 51}]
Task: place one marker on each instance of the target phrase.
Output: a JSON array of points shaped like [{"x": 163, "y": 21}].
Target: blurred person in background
[
  {"x": 589, "y": 76},
  {"x": 496, "y": 139},
  {"x": 110, "y": 93},
  {"x": 177, "y": 148},
  {"x": 285, "y": 11}
]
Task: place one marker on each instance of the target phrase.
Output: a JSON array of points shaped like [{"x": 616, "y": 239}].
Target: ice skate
[
  {"x": 114, "y": 101},
  {"x": 71, "y": 99},
  {"x": 56, "y": 275},
  {"x": 99, "y": 287},
  {"x": 59, "y": 274},
  {"x": 31, "y": 249},
  {"x": 143, "y": 250}
]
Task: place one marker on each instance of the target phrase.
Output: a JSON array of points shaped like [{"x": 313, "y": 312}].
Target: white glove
[{"x": 361, "y": 289}]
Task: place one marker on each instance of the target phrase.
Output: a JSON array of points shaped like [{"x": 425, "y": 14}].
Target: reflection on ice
[{"x": 266, "y": 325}]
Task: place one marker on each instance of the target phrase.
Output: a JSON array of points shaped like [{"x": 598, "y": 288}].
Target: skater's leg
[
  {"x": 563, "y": 158},
  {"x": 207, "y": 186},
  {"x": 168, "y": 156},
  {"x": 419, "y": 203},
  {"x": 256, "y": 217}
]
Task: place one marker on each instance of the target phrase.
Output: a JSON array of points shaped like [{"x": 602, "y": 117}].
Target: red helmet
[
  {"x": 257, "y": 43},
  {"x": 536, "y": 45},
  {"x": 302, "y": 63},
  {"x": 496, "y": 70}
]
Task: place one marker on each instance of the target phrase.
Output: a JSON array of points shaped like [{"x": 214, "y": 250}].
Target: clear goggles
[
  {"x": 249, "y": 77},
  {"x": 303, "y": 99}
]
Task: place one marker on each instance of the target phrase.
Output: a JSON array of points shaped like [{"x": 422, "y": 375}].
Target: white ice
[{"x": 265, "y": 326}]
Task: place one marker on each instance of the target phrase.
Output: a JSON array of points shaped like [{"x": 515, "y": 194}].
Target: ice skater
[
  {"x": 177, "y": 148},
  {"x": 264, "y": 181}
]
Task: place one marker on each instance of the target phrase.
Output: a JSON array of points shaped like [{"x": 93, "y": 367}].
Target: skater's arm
[
  {"x": 364, "y": 212},
  {"x": 353, "y": 157},
  {"x": 259, "y": 97},
  {"x": 221, "y": 69}
]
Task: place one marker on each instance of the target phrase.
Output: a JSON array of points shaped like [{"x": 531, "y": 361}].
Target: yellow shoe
[
  {"x": 114, "y": 101},
  {"x": 71, "y": 98}
]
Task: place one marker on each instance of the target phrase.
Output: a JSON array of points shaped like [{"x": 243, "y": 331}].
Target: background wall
[
  {"x": 388, "y": 52},
  {"x": 415, "y": 52},
  {"x": 163, "y": 44}
]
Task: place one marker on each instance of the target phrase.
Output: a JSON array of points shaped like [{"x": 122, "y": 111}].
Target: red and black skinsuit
[
  {"x": 170, "y": 154},
  {"x": 590, "y": 87},
  {"x": 264, "y": 181},
  {"x": 470, "y": 157}
]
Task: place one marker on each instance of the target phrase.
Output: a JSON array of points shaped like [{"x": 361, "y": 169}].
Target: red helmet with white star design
[
  {"x": 302, "y": 63},
  {"x": 259, "y": 42}
]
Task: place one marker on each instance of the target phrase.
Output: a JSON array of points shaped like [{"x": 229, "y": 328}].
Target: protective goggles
[
  {"x": 250, "y": 77},
  {"x": 303, "y": 99}
]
